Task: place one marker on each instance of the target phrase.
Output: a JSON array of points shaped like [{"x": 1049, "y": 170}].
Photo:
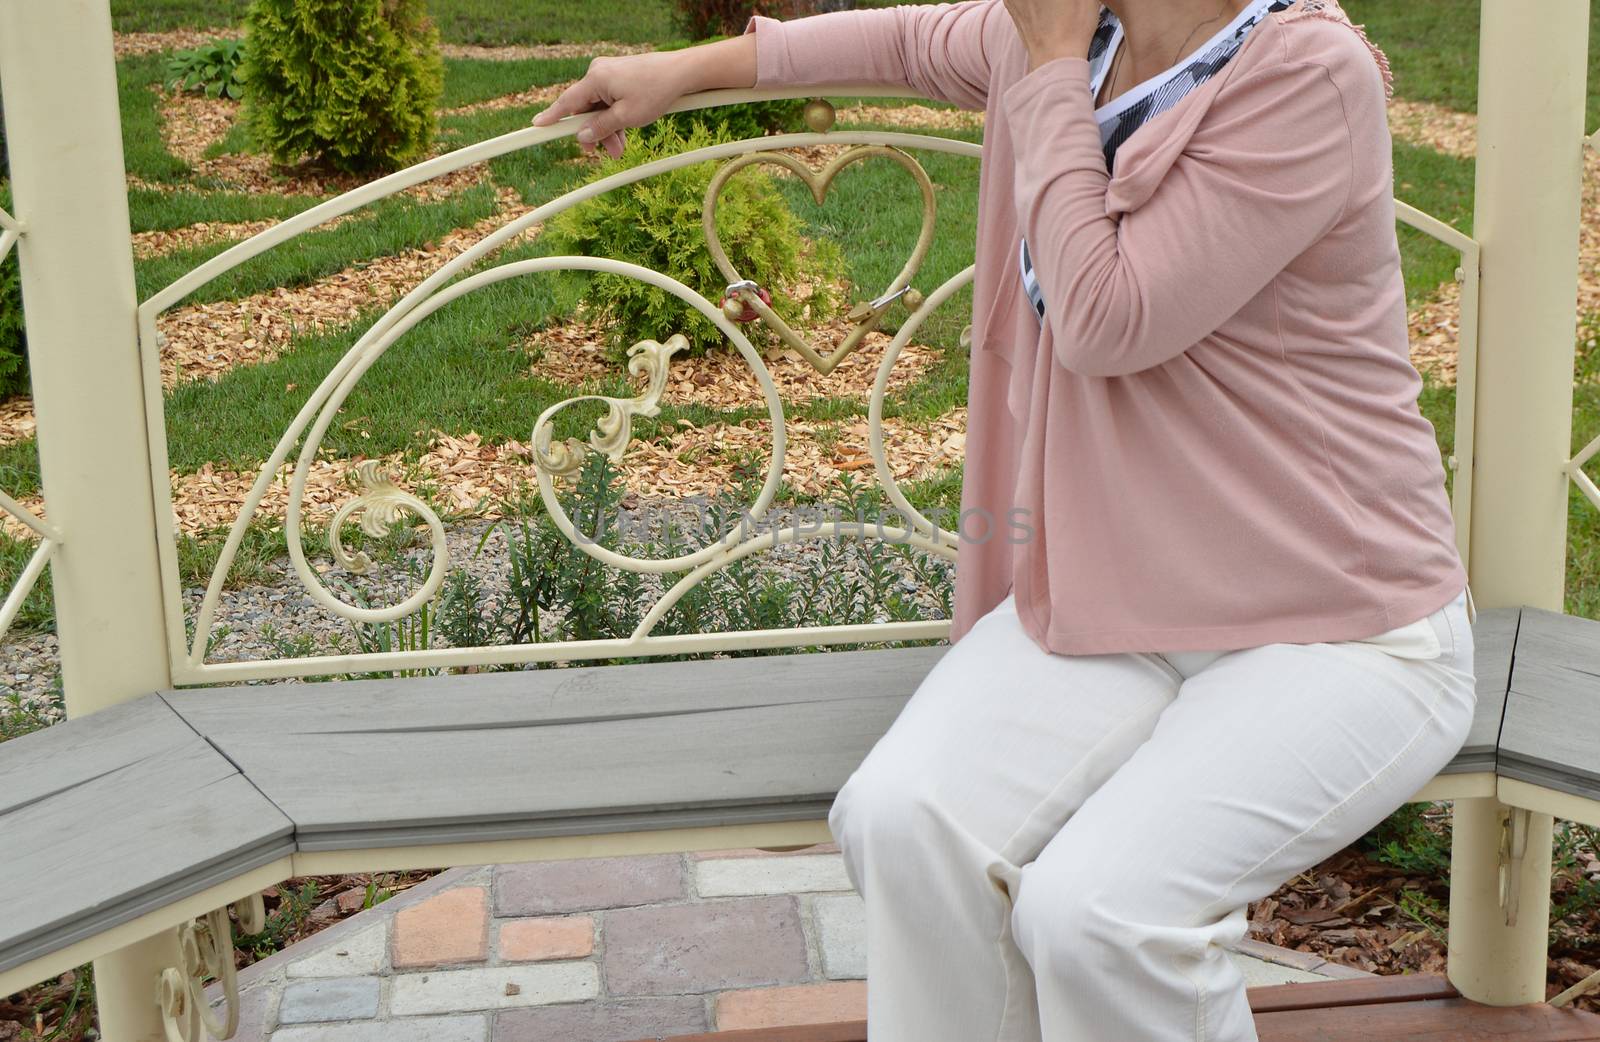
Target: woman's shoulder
[{"x": 1320, "y": 32}]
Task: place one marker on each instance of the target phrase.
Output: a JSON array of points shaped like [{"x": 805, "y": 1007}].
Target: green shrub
[
  {"x": 656, "y": 223},
  {"x": 13, "y": 337},
  {"x": 353, "y": 83},
  {"x": 217, "y": 70}
]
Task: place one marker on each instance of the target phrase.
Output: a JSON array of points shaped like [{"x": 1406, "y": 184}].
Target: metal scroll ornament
[
  {"x": 206, "y": 947},
  {"x": 614, "y": 429},
  {"x": 380, "y": 505}
]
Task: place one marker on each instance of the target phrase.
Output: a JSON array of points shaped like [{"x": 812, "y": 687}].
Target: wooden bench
[{"x": 120, "y": 824}]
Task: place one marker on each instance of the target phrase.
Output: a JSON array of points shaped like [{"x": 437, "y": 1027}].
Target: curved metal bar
[
  {"x": 8, "y": 239},
  {"x": 25, "y": 584},
  {"x": 44, "y": 528},
  {"x": 357, "y": 366},
  {"x": 1467, "y": 275},
  {"x": 880, "y": 390},
  {"x": 427, "y": 287},
  {"x": 866, "y": 315},
  {"x": 471, "y": 155}
]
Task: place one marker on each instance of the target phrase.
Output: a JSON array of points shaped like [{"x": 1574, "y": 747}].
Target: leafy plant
[
  {"x": 353, "y": 83},
  {"x": 216, "y": 70},
  {"x": 1408, "y": 840},
  {"x": 657, "y": 223}
]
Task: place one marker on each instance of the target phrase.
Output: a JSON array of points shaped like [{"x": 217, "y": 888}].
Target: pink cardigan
[{"x": 1214, "y": 442}]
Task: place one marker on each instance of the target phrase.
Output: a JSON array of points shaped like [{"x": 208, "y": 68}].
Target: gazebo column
[
  {"x": 1532, "y": 66},
  {"x": 69, "y": 188}
]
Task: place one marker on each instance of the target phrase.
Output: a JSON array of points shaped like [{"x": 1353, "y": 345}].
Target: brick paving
[{"x": 598, "y": 950}]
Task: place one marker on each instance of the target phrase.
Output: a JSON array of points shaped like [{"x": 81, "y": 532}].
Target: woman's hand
[
  {"x": 1052, "y": 29},
  {"x": 634, "y": 90},
  {"x": 629, "y": 91}
]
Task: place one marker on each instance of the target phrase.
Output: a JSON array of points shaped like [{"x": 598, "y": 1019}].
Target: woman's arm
[
  {"x": 1269, "y": 173},
  {"x": 937, "y": 50}
]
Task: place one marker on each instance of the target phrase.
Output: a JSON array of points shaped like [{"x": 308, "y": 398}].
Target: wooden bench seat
[
  {"x": 1409, "y": 1008},
  {"x": 104, "y": 818}
]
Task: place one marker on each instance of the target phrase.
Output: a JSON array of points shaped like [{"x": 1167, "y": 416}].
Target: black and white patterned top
[{"x": 1128, "y": 111}]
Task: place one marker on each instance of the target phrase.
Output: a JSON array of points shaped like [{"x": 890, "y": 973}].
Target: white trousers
[{"x": 1056, "y": 848}]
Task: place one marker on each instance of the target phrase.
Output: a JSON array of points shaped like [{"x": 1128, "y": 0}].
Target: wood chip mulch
[
  {"x": 203, "y": 233},
  {"x": 468, "y": 475},
  {"x": 920, "y": 117},
  {"x": 129, "y": 44},
  {"x": 575, "y": 354},
  {"x": 191, "y": 123},
  {"x": 532, "y": 96},
  {"x": 1434, "y": 126},
  {"x": 542, "y": 50}
]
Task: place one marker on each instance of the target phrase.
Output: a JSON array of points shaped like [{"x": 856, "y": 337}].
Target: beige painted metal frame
[
  {"x": 102, "y": 441},
  {"x": 382, "y": 499}
]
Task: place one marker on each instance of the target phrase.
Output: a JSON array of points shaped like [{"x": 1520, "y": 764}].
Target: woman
[{"x": 1233, "y": 633}]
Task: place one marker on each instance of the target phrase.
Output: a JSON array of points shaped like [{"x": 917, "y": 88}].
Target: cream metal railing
[
  {"x": 11, "y": 230},
  {"x": 381, "y": 502}
]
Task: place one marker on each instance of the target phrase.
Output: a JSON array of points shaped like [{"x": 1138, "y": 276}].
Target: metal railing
[{"x": 381, "y": 501}]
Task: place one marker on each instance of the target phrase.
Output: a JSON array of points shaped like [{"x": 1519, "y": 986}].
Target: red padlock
[{"x": 747, "y": 312}]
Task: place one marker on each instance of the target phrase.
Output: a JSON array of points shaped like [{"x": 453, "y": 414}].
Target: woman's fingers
[
  {"x": 615, "y": 144},
  {"x": 580, "y": 97}
]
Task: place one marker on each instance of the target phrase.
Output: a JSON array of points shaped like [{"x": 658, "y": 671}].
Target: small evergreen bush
[
  {"x": 353, "y": 83},
  {"x": 13, "y": 337},
  {"x": 656, "y": 223}
]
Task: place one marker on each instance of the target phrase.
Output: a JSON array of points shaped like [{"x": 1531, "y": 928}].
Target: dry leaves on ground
[
  {"x": 575, "y": 354},
  {"x": 128, "y": 44}
]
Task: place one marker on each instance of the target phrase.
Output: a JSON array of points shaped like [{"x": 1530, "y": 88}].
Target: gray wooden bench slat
[
  {"x": 58, "y": 758},
  {"x": 132, "y": 808},
  {"x": 141, "y": 830},
  {"x": 1552, "y": 728},
  {"x": 1494, "y": 632},
  {"x": 543, "y": 696},
  {"x": 721, "y": 741}
]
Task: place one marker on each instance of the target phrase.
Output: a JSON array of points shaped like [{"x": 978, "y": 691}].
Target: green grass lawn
[{"x": 460, "y": 21}]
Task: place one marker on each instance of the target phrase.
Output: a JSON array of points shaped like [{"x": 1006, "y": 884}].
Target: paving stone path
[{"x": 600, "y": 950}]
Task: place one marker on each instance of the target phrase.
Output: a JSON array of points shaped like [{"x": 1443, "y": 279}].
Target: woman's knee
[{"x": 1080, "y": 915}]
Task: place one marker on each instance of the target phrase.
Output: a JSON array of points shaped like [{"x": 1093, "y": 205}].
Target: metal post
[
  {"x": 58, "y": 73},
  {"x": 1531, "y": 83}
]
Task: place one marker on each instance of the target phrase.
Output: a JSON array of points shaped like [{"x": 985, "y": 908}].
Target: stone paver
[
  {"x": 781, "y": 1007},
  {"x": 620, "y": 1021},
  {"x": 534, "y": 940},
  {"x": 333, "y": 998},
  {"x": 499, "y": 987},
  {"x": 729, "y": 877},
  {"x": 645, "y": 953},
  {"x": 704, "y": 946},
  {"x": 552, "y": 887},
  {"x": 841, "y": 923},
  {"x": 360, "y": 953},
  {"x": 403, "y": 1029},
  {"x": 448, "y": 928}
]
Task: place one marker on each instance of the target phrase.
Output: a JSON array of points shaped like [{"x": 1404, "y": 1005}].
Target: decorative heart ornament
[{"x": 745, "y": 296}]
